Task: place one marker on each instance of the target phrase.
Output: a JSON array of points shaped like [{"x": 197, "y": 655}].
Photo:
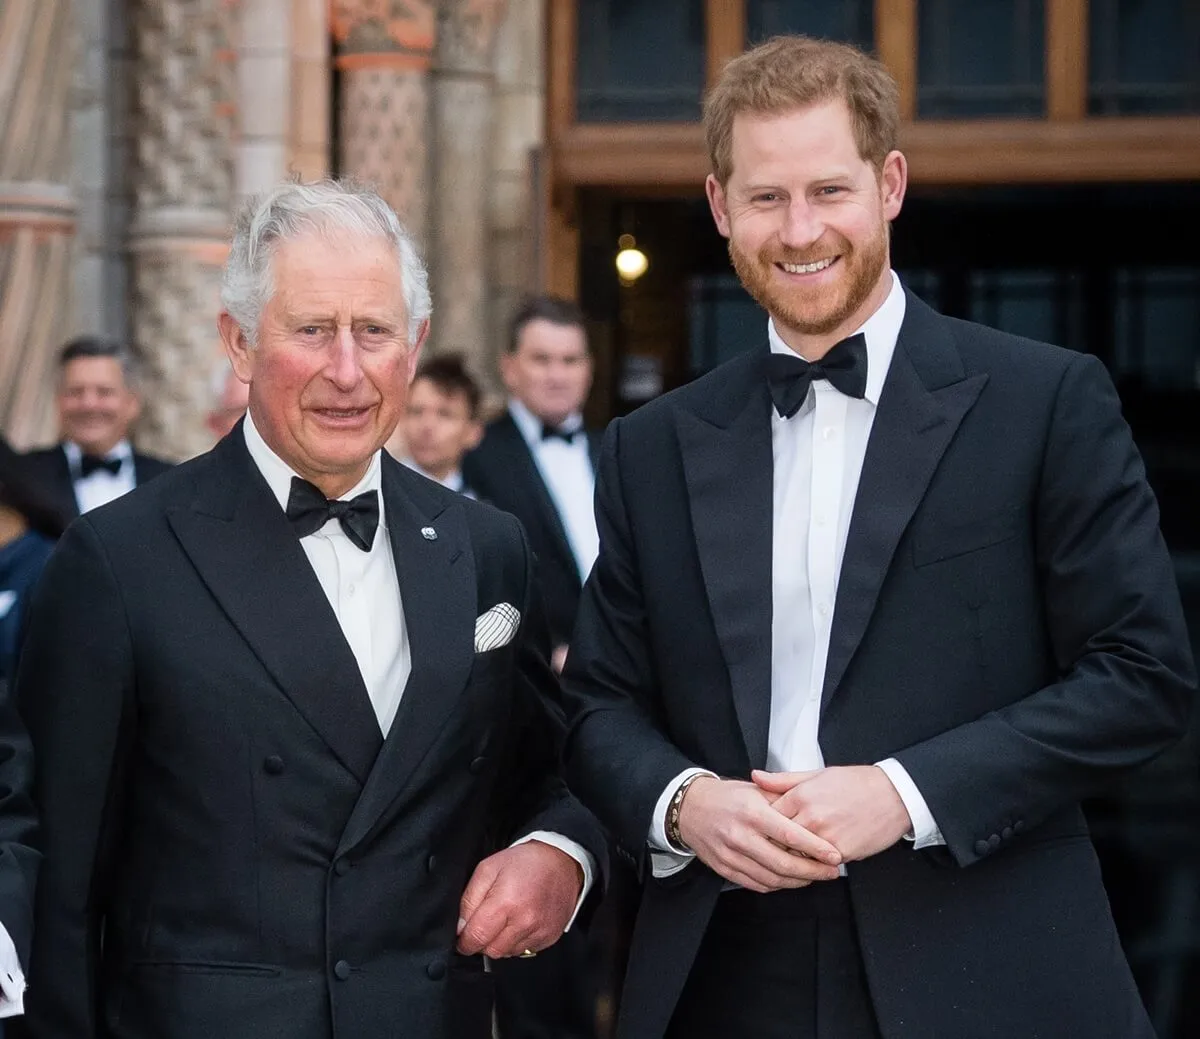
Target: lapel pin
[{"x": 429, "y": 534}]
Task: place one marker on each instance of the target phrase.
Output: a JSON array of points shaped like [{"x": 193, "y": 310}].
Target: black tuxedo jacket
[
  {"x": 502, "y": 470},
  {"x": 1007, "y": 625},
  {"x": 48, "y": 467},
  {"x": 215, "y": 794}
]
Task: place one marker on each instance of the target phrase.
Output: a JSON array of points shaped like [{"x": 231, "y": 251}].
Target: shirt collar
[
  {"x": 123, "y": 450},
  {"x": 531, "y": 426},
  {"x": 278, "y": 473},
  {"x": 881, "y": 331}
]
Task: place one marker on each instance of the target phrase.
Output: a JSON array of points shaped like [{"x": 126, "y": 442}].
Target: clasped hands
[{"x": 788, "y": 829}]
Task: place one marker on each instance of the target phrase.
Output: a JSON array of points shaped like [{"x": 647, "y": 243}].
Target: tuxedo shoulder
[
  {"x": 175, "y": 485},
  {"x": 986, "y": 349},
  {"x": 152, "y": 463}
]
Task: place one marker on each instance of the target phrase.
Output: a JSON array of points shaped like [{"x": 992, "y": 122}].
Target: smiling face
[
  {"x": 330, "y": 372},
  {"x": 95, "y": 405},
  {"x": 439, "y": 428},
  {"x": 807, "y": 221}
]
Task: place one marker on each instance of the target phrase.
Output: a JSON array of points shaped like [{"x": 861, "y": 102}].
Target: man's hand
[
  {"x": 855, "y": 808},
  {"x": 734, "y": 830},
  {"x": 519, "y": 899},
  {"x": 558, "y": 658}
]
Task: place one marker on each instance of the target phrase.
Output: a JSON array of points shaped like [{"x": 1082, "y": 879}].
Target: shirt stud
[{"x": 429, "y": 534}]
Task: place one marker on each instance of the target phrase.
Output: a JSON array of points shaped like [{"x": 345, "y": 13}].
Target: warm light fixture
[{"x": 631, "y": 261}]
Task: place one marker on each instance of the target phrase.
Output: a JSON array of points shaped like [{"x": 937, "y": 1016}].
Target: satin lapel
[
  {"x": 239, "y": 541},
  {"x": 438, "y": 593},
  {"x": 923, "y": 401},
  {"x": 64, "y": 485},
  {"x": 729, "y": 469},
  {"x": 521, "y": 460}
]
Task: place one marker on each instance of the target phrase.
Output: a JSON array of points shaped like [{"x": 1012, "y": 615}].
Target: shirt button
[
  {"x": 820, "y": 521},
  {"x": 814, "y": 696},
  {"x": 341, "y": 970},
  {"x": 823, "y": 609},
  {"x": 350, "y": 591},
  {"x": 829, "y": 432}
]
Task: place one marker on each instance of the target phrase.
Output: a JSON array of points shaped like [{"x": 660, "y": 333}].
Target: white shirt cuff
[
  {"x": 665, "y": 860},
  {"x": 12, "y": 980},
  {"x": 925, "y": 832},
  {"x": 578, "y": 852}
]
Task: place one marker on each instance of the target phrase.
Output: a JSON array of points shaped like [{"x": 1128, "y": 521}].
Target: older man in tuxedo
[
  {"x": 886, "y": 575},
  {"x": 296, "y": 745}
]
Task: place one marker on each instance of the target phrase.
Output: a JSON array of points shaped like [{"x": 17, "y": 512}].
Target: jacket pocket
[
  {"x": 935, "y": 543},
  {"x": 220, "y": 967}
]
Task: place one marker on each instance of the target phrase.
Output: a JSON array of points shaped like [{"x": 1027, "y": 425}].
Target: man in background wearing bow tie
[
  {"x": 877, "y": 604},
  {"x": 290, "y": 704},
  {"x": 98, "y": 402},
  {"x": 537, "y": 461}
]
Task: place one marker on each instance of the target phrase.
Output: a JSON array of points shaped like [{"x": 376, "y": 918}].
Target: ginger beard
[{"x": 823, "y": 308}]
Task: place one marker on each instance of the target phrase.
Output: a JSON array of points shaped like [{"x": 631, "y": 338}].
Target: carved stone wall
[
  {"x": 384, "y": 52},
  {"x": 184, "y": 190},
  {"x": 37, "y": 211},
  {"x": 463, "y": 118}
]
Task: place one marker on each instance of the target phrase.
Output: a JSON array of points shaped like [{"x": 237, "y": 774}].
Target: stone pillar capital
[
  {"x": 466, "y": 33},
  {"x": 397, "y": 34}
]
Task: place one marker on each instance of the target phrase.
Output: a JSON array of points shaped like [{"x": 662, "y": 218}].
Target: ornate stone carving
[
  {"x": 37, "y": 212},
  {"x": 183, "y": 191},
  {"x": 466, "y": 32}
]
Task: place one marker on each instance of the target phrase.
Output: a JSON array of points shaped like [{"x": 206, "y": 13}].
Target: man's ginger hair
[{"x": 791, "y": 72}]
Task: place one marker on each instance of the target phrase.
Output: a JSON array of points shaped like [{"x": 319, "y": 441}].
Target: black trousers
[{"x": 781, "y": 966}]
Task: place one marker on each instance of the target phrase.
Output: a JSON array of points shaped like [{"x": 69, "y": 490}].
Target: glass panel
[
  {"x": 850, "y": 20},
  {"x": 1157, "y": 342},
  {"x": 983, "y": 58},
  {"x": 723, "y": 320},
  {"x": 639, "y": 61},
  {"x": 1144, "y": 57},
  {"x": 1046, "y": 305}
]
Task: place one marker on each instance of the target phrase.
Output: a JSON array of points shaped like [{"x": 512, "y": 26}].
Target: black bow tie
[
  {"x": 558, "y": 433},
  {"x": 88, "y": 464},
  {"x": 308, "y": 510},
  {"x": 845, "y": 366}
]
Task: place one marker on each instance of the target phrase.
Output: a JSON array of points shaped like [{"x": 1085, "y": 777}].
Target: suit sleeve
[
  {"x": 1116, "y": 627},
  {"x": 618, "y": 760},
  {"x": 539, "y": 799},
  {"x": 75, "y": 687},
  {"x": 18, "y": 857}
]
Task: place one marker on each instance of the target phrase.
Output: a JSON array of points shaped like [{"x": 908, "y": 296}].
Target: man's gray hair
[{"x": 294, "y": 209}]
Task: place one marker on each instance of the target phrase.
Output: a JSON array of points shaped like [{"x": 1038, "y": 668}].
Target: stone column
[
  {"x": 264, "y": 100},
  {"x": 184, "y": 190},
  {"x": 384, "y": 51},
  {"x": 463, "y": 87},
  {"x": 312, "y": 89},
  {"x": 37, "y": 212}
]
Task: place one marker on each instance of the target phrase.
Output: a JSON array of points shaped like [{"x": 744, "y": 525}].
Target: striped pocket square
[{"x": 497, "y": 627}]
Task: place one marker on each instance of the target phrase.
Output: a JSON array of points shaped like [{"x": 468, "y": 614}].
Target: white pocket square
[{"x": 497, "y": 627}]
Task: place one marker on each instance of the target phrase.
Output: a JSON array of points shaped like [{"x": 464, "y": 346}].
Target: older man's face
[{"x": 330, "y": 372}]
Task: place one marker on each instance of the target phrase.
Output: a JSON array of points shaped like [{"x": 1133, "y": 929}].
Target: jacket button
[
  {"x": 341, "y": 867},
  {"x": 982, "y": 848},
  {"x": 341, "y": 970},
  {"x": 436, "y": 970},
  {"x": 273, "y": 765},
  {"x": 431, "y": 863},
  {"x": 477, "y": 765},
  {"x": 1007, "y": 833},
  {"x": 994, "y": 841},
  {"x": 1018, "y": 826}
]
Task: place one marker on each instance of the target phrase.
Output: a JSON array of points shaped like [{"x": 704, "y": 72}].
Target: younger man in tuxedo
[
  {"x": 441, "y": 421},
  {"x": 878, "y": 603},
  {"x": 98, "y": 402}
]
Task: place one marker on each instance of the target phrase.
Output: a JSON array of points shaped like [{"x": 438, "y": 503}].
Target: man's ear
[
  {"x": 893, "y": 183},
  {"x": 717, "y": 203},
  {"x": 414, "y": 351},
  {"x": 236, "y": 346}
]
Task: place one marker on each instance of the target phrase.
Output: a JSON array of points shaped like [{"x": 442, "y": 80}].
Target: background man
[
  {"x": 97, "y": 404},
  {"x": 305, "y": 697},
  {"x": 537, "y": 461},
  {"x": 909, "y": 565},
  {"x": 441, "y": 421}
]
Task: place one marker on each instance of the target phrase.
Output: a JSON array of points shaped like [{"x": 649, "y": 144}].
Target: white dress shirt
[
  {"x": 567, "y": 473},
  {"x": 818, "y": 459},
  {"x": 100, "y": 487},
  {"x": 364, "y": 591}
]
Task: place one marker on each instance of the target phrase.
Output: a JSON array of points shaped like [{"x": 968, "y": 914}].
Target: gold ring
[{"x": 528, "y": 954}]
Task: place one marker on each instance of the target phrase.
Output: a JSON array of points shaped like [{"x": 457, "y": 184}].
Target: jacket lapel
[
  {"x": 438, "y": 595},
  {"x": 729, "y": 469},
  {"x": 63, "y": 482},
  {"x": 924, "y": 399},
  {"x": 522, "y": 462},
  {"x": 239, "y": 541}
]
